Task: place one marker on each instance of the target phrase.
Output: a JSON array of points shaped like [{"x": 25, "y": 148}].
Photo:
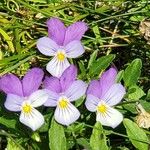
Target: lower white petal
[
  {"x": 68, "y": 115},
  {"x": 13, "y": 102},
  {"x": 111, "y": 118},
  {"x": 91, "y": 102},
  {"x": 34, "y": 120},
  {"x": 56, "y": 67},
  {"x": 38, "y": 98}
]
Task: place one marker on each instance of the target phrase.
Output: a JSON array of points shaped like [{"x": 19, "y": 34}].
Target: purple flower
[
  {"x": 62, "y": 91},
  {"x": 62, "y": 43},
  {"x": 102, "y": 95},
  {"x": 24, "y": 96}
]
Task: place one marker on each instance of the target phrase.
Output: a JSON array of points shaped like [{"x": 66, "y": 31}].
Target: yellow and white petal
[
  {"x": 56, "y": 67},
  {"x": 33, "y": 120},
  {"x": 38, "y": 98},
  {"x": 108, "y": 116},
  {"x": 66, "y": 115}
]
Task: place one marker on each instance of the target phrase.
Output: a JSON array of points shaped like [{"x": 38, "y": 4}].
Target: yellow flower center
[
  {"x": 63, "y": 103},
  {"x": 26, "y": 108},
  {"x": 102, "y": 108},
  {"x": 60, "y": 56}
]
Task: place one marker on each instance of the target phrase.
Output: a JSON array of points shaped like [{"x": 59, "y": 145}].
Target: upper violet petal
[
  {"x": 75, "y": 32},
  {"x": 94, "y": 89},
  {"x": 32, "y": 80},
  {"x": 107, "y": 80},
  {"x": 11, "y": 84},
  {"x": 68, "y": 76},
  {"x": 56, "y": 30},
  {"x": 52, "y": 84}
]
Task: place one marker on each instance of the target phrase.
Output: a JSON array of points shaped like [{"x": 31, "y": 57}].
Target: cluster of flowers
[{"x": 63, "y": 87}]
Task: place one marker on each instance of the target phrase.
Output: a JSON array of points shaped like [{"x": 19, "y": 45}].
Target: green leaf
[
  {"x": 92, "y": 58},
  {"x": 132, "y": 72},
  {"x": 101, "y": 64},
  {"x": 119, "y": 76},
  {"x": 137, "y": 94},
  {"x": 57, "y": 139},
  {"x": 84, "y": 142},
  {"x": 9, "y": 123},
  {"x": 136, "y": 135},
  {"x": 98, "y": 138}
]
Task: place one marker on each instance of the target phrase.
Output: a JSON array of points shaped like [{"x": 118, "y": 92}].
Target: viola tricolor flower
[
  {"x": 62, "y": 43},
  {"x": 102, "y": 95},
  {"x": 62, "y": 91},
  {"x": 24, "y": 96}
]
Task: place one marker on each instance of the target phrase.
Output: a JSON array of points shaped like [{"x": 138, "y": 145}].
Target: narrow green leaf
[
  {"x": 84, "y": 142},
  {"x": 9, "y": 123},
  {"x": 92, "y": 58},
  {"x": 132, "y": 72},
  {"x": 57, "y": 139},
  {"x": 119, "y": 76},
  {"x": 101, "y": 64},
  {"x": 98, "y": 138},
  {"x": 136, "y": 135}
]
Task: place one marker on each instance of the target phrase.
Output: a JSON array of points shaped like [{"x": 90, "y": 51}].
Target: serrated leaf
[
  {"x": 137, "y": 94},
  {"x": 101, "y": 64},
  {"x": 98, "y": 138},
  {"x": 132, "y": 72},
  {"x": 136, "y": 135},
  {"x": 57, "y": 139}
]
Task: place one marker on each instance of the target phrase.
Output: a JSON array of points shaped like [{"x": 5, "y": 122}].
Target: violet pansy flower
[
  {"x": 24, "y": 96},
  {"x": 102, "y": 95},
  {"x": 62, "y": 91},
  {"x": 62, "y": 43}
]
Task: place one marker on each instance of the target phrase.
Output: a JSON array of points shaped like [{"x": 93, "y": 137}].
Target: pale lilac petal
[
  {"x": 91, "y": 102},
  {"x": 56, "y": 30},
  {"x": 56, "y": 67},
  {"x": 75, "y": 32},
  {"x": 67, "y": 115},
  {"x": 52, "y": 84},
  {"x": 53, "y": 97},
  {"x": 32, "y": 81},
  {"x": 68, "y": 76},
  {"x": 111, "y": 118},
  {"x": 94, "y": 89},
  {"x": 47, "y": 46},
  {"x": 76, "y": 90},
  {"x": 34, "y": 120},
  {"x": 38, "y": 98},
  {"x": 74, "y": 49},
  {"x": 11, "y": 84},
  {"x": 114, "y": 95},
  {"x": 13, "y": 102},
  {"x": 107, "y": 80}
]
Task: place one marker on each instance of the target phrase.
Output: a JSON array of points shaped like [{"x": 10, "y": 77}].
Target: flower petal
[
  {"x": 107, "y": 80},
  {"x": 56, "y": 67},
  {"x": 32, "y": 80},
  {"x": 47, "y": 46},
  {"x": 94, "y": 88},
  {"x": 75, "y": 32},
  {"x": 114, "y": 95},
  {"x": 52, "y": 84},
  {"x": 68, "y": 115},
  {"x": 11, "y": 84},
  {"x": 38, "y": 98},
  {"x": 56, "y": 30},
  {"x": 34, "y": 120},
  {"x": 111, "y": 118},
  {"x": 52, "y": 99},
  {"x": 13, "y": 102},
  {"x": 68, "y": 76},
  {"x": 91, "y": 102},
  {"x": 74, "y": 49},
  {"x": 76, "y": 90}
]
